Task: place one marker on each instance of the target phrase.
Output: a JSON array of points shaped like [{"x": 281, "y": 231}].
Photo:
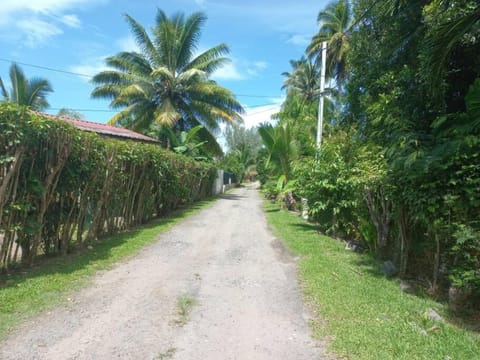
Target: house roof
[{"x": 104, "y": 129}]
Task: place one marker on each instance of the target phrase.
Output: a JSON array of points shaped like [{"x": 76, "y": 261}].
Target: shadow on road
[{"x": 232, "y": 197}]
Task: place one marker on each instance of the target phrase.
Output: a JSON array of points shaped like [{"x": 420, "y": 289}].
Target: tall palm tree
[
  {"x": 450, "y": 34},
  {"x": 167, "y": 82},
  {"x": 281, "y": 148},
  {"x": 335, "y": 22},
  {"x": 303, "y": 79},
  {"x": 30, "y": 92}
]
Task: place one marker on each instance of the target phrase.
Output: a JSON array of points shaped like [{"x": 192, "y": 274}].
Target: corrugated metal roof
[{"x": 103, "y": 129}]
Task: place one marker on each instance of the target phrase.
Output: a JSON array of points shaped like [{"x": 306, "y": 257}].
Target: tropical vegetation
[
  {"x": 243, "y": 146},
  {"x": 399, "y": 167},
  {"x": 168, "y": 82},
  {"x": 361, "y": 314},
  {"x": 29, "y": 92},
  {"x": 336, "y": 24},
  {"x": 62, "y": 188}
]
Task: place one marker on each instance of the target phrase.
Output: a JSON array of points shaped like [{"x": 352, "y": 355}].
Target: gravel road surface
[{"x": 217, "y": 286}]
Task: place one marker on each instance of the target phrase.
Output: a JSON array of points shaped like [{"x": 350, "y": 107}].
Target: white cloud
[
  {"x": 37, "y": 31},
  {"x": 258, "y": 115},
  {"x": 71, "y": 20},
  {"x": 255, "y": 68},
  {"x": 228, "y": 72},
  {"x": 300, "y": 39},
  {"x": 8, "y": 8},
  {"x": 260, "y": 65},
  {"x": 240, "y": 70},
  {"x": 127, "y": 43},
  {"x": 37, "y": 21},
  {"x": 89, "y": 68}
]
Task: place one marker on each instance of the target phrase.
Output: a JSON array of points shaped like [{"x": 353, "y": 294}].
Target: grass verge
[
  {"x": 29, "y": 291},
  {"x": 365, "y": 315}
]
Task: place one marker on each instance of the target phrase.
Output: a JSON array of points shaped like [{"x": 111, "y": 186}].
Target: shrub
[{"x": 60, "y": 186}]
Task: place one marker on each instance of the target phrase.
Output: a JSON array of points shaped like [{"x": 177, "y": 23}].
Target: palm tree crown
[
  {"x": 303, "y": 79},
  {"x": 167, "y": 82},
  {"x": 281, "y": 147},
  {"x": 335, "y": 24},
  {"x": 29, "y": 92}
]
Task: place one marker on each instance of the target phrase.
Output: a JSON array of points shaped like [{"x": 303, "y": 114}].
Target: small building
[{"x": 105, "y": 129}]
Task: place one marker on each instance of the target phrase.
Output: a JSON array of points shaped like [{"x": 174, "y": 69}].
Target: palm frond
[
  {"x": 211, "y": 59},
  {"x": 19, "y": 84},
  {"x": 189, "y": 37},
  {"x": 4, "y": 91},
  {"x": 163, "y": 73},
  {"x": 36, "y": 95},
  {"x": 191, "y": 75},
  {"x": 167, "y": 114},
  {"x": 125, "y": 113},
  {"x": 142, "y": 39},
  {"x": 441, "y": 43},
  {"x": 131, "y": 62}
]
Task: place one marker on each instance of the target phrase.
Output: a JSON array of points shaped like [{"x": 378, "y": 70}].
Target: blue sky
[{"x": 76, "y": 35}]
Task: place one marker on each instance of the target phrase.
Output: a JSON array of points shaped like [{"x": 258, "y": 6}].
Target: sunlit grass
[
  {"x": 29, "y": 291},
  {"x": 365, "y": 315}
]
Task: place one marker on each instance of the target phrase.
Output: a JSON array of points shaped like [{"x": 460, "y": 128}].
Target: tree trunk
[
  {"x": 436, "y": 263},
  {"x": 5, "y": 186},
  {"x": 403, "y": 224},
  {"x": 379, "y": 208}
]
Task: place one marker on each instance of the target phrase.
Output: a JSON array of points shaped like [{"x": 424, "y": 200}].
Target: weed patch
[{"x": 185, "y": 304}]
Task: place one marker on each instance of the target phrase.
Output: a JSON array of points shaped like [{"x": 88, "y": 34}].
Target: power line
[
  {"x": 90, "y": 76},
  {"x": 272, "y": 106},
  {"x": 255, "y": 96},
  {"x": 261, "y": 111},
  {"x": 114, "y": 111},
  {"x": 84, "y": 110},
  {"x": 46, "y": 68},
  {"x": 261, "y": 105}
]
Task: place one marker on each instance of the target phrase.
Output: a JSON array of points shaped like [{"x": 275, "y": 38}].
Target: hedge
[{"x": 61, "y": 187}]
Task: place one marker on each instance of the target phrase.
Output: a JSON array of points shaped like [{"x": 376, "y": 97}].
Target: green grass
[
  {"x": 185, "y": 304},
  {"x": 27, "y": 292},
  {"x": 365, "y": 315},
  {"x": 168, "y": 354}
]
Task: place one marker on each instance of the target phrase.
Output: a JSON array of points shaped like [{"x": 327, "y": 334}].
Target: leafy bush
[
  {"x": 61, "y": 186},
  {"x": 332, "y": 186}
]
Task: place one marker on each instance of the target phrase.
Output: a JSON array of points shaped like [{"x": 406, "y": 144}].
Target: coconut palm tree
[
  {"x": 167, "y": 82},
  {"x": 335, "y": 22},
  {"x": 29, "y": 92},
  {"x": 281, "y": 147},
  {"x": 303, "y": 79}
]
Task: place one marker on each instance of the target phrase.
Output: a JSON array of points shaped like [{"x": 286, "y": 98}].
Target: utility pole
[{"x": 321, "y": 100}]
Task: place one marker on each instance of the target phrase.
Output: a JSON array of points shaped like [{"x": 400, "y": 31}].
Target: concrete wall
[
  {"x": 219, "y": 187},
  {"x": 218, "y": 184}
]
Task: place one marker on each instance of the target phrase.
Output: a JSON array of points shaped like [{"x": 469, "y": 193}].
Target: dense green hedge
[
  {"x": 425, "y": 216},
  {"x": 60, "y": 186}
]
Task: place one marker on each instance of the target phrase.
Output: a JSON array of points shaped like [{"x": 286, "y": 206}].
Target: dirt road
[{"x": 217, "y": 286}]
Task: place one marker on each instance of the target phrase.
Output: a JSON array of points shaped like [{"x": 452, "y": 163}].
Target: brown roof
[{"x": 103, "y": 129}]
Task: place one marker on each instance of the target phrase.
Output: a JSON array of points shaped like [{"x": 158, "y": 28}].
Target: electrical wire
[
  {"x": 45, "y": 68},
  {"x": 90, "y": 76},
  {"x": 274, "y": 105}
]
